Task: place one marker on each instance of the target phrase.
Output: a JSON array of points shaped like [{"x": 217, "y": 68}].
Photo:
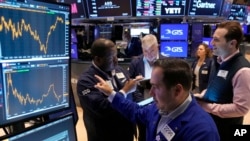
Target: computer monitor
[
  {"x": 225, "y": 10},
  {"x": 174, "y": 49},
  {"x": 245, "y": 29},
  {"x": 147, "y": 8},
  {"x": 205, "y": 7},
  {"x": 74, "y": 51},
  {"x": 60, "y": 129},
  {"x": 113, "y": 8},
  {"x": 136, "y": 32},
  {"x": 174, "y": 31},
  {"x": 207, "y": 40},
  {"x": 238, "y": 12},
  {"x": 105, "y": 31},
  {"x": 34, "y": 59},
  {"x": 78, "y": 10}
]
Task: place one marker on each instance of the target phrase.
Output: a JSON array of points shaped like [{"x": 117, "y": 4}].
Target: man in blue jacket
[
  {"x": 102, "y": 121},
  {"x": 175, "y": 115}
]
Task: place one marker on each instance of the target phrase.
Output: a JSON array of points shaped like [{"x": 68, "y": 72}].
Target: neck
[{"x": 201, "y": 59}]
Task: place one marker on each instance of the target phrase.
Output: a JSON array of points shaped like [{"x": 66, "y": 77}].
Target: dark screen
[
  {"x": 111, "y": 8},
  {"x": 205, "y": 7}
]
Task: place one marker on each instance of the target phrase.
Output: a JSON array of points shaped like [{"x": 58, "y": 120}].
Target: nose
[
  {"x": 212, "y": 42},
  {"x": 151, "y": 92}
]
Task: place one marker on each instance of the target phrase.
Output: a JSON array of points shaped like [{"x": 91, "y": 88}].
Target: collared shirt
[
  {"x": 148, "y": 68},
  {"x": 167, "y": 118},
  {"x": 241, "y": 98}
]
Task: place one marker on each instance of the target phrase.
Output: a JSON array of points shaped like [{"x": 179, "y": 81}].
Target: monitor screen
[
  {"x": 105, "y": 31},
  {"x": 205, "y": 7},
  {"x": 74, "y": 51},
  {"x": 136, "y": 32},
  {"x": 238, "y": 12},
  {"x": 111, "y": 8},
  {"x": 245, "y": 29},
  {"x": 197, "y": 31},
  {"x": 207, "y": 41},
  {"x": 77, "y": 8},
  {"x": 248, "y": 15},
  {"x": 34, "y": 59},
  {"x": 73, "y": 36},
  {"x": 61, "y": 129},
  {"x": 174, "y": 32},
  {"x": 174, "y": 49},
  {"x": 225, "y": 10},
  {"x": 160, "y": 8}
]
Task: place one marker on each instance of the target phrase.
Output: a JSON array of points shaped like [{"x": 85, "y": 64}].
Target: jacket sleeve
[{"x": 92, "y": 99}]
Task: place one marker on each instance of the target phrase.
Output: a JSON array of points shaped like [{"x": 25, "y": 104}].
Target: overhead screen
[
  {"x": 77, "y": 8},
  {"x": 174, "y": 40},
  {"x": 207, "y": 41},
  {"x": 205, "y": 7},
  {"x": 225, "y": 10},
  {"x": 34, "y": 59},
  {"x": 174, "y": 31},
  {"x": 238, "y": 12},
  {"x": 110, "y": 8},
  {"x": 136, "y": 32},
  {"x": 174, "y": 48},
  {"x": 160, "y": 7}
]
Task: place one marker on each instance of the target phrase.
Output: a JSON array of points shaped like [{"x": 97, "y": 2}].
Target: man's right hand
[
  {"x": 131, "y": 84},
  {"x": 103, "y": 86}
]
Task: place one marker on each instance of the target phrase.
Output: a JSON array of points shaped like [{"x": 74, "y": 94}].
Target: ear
[
  {"x": 97, "y": 60},
  {"x": 233, "y": 43},
  {"x": 178, "y": 89}
]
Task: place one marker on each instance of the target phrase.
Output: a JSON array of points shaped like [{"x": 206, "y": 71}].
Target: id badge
[{"x": 167, "y": 132}]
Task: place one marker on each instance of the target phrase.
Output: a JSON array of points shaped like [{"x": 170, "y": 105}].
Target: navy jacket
[
  {"x": 134, "y": 47},
  {"x": 102, "y": 122},
  {"x": 204, "y": 73},
  {"x": 194, "y": 124}
]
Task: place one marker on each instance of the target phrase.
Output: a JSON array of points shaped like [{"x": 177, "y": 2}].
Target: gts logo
[{"x": 174, "y": 49}]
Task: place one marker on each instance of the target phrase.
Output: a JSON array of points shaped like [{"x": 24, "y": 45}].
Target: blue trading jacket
[{"x": 194, "y": 124}]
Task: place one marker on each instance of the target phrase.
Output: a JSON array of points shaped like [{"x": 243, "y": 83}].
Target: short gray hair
[{"x": 148, "y": 41}]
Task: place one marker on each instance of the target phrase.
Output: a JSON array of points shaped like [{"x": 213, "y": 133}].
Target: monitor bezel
[{"x": 38, "y": 125}]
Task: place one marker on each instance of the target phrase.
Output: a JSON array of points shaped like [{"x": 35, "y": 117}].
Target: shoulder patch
[{"x": 86, "y": 91}]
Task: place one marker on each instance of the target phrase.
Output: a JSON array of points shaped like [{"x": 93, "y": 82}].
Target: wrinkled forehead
[{"x": 149, "y": 45}]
